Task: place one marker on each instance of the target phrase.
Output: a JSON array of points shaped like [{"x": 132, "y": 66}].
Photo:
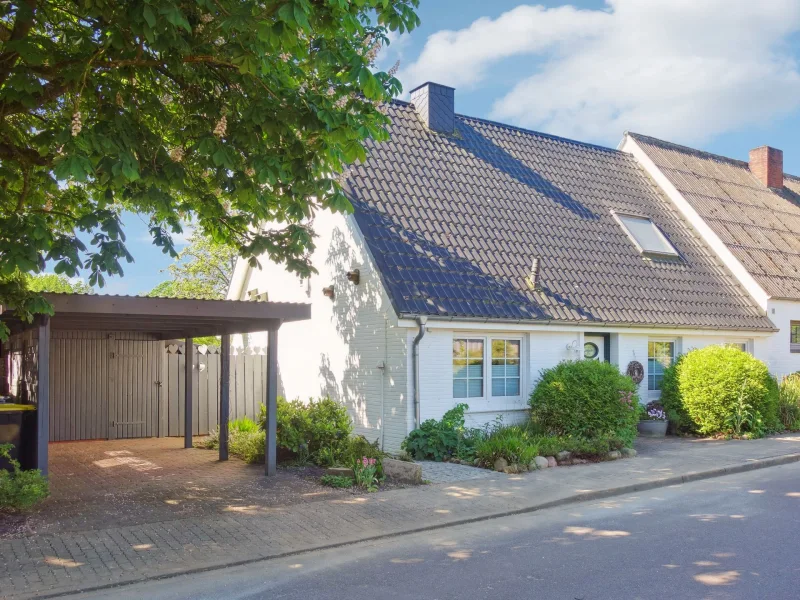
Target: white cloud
[
  {"x": 460, "y": 58},
  {"x": 679, "y": 69}
]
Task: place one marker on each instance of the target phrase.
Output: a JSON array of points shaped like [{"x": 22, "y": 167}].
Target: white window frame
[
  {"x": 674, "y": 255},
  {"x": 488, "y": 402},
  {"x": 676, "y": 350},
  {"x": 468, "y": 339},
  {"x": 747, "y": 343}
]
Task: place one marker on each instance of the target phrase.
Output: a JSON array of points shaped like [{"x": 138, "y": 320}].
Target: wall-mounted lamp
[
  {"x": 328, "y": 292},
  {"x": 354, "y": 276}
]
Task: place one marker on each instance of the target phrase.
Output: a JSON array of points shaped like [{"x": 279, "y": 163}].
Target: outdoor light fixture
[
  {"x": 354, "y": 276},
  {"x": 328, "y": 292}
]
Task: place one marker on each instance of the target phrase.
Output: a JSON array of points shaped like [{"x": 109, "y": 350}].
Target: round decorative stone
[
  {"x": 551, "y": 461},
  {"x": 540, "y": 462},
  {"x": 614, "y": 455},
  {"x": 500, "y": 465},
  {"x": 628, "y": 452},
  {"x": 563, "y": 456}
]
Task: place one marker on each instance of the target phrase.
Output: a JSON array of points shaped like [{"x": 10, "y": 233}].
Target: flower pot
[{"x": 652, "y": 428}]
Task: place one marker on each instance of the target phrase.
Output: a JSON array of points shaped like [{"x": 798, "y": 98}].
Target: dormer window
[{"x": 649, "y": 239}]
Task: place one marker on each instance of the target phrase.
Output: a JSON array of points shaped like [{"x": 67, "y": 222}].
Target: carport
[{"x": 118, "y": 330}]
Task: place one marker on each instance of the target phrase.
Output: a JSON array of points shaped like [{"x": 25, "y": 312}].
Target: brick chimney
[
  {"x": 435, "y": 105},
  {"x": 767, "y": 165}
]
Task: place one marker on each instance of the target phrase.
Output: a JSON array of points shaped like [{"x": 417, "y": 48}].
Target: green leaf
[{"x": 149, "y": 15}]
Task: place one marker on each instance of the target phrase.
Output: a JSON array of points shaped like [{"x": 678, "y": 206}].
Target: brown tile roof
[
  {"x": 454, "y": 223},
  {"x": 758, "y": 224}
]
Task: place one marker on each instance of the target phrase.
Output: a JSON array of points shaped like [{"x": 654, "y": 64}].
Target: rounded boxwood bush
[
  {"x": 721, "y": 389},
  {"x": 587, "y": 399}
]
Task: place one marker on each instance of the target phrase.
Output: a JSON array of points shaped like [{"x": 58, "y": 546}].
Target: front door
[{"x": 594, "y": 347}]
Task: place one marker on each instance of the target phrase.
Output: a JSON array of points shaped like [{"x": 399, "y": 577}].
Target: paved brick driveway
[{"x": 130, "y": 482}]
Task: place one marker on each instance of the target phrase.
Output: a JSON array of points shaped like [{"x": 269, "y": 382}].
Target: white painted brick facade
[
  {"x": 338, "y": 351},
  {"x": 775, "y": 349}
]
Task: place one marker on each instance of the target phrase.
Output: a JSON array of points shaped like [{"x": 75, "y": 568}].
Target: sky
[{"x": 718, "y": 75}]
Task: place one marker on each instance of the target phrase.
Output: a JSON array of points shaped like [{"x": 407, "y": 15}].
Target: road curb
[{"x": 750, "y": 465}]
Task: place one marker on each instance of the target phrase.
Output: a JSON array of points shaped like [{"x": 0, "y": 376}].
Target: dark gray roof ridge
[
  {"x": 686, "y": 149},
  {"x": 549, "y": 136}
]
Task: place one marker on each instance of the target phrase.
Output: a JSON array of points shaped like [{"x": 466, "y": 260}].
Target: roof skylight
[{"x": 647, "y": 236}]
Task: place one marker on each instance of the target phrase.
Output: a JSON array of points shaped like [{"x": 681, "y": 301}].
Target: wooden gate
[{"x": 135, "y": 387}]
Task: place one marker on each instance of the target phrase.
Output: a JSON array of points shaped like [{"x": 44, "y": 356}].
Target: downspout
[{"x": 421, "y": 321}]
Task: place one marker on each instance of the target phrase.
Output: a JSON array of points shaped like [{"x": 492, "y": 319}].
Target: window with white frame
[
  {"x": 660, "y": 355},
  {"x": 650, "y": 240},
  {"x": 794, "y": 336},
  {"x": 743, "y": 345},
  {"x": 505, "y": 367},
  {"x": 468, "y": 368}
]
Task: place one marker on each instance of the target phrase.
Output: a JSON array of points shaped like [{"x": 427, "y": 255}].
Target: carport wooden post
[
  {"x": 189, "y": 391},
  {"x": 270, "y": 447},
  {"x": 43, "y": 394},
  {"x": 224, "y": 394}
]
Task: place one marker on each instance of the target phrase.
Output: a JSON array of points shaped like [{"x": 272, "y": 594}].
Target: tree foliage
[
  {"x": 61, "y": 284},
  {"x": 233, "y": 113},
  {"x": 202, "y": 270}
]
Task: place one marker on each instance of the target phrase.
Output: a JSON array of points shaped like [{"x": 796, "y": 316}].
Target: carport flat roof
[{"x": 166, "y": 318}]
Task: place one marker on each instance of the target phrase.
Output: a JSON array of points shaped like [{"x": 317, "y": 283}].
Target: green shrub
[
  {"x": 337, "y": 481},
  {"x": 243, "y": 424},
  {"x": 247, "y": 445},
  {"x": 513, "y": 443},
  {"x": 579, "y": 447},
  {"x": 671, "y": 399},
  {"x": 789, "y": 402},
  {"x": 316, "y": 431},
  {"x": 20, "y": 489},
  {"x": 725, "y": 390},
  {"x": 585, "y": 399},
  {"x": 438, "y": 440}
]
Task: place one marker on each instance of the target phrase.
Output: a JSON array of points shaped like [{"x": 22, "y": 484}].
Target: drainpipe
[{"x": 415, "y": 366}]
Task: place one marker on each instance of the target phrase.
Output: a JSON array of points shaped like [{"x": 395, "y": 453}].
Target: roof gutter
[
  {"x": 421, "y": 321},
  {"x": 454, "y": 318}
]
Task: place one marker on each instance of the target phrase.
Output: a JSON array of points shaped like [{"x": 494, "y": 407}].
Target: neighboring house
[
  {"x": 749, "y": 214},
  {"x": 477, "y": 255}
]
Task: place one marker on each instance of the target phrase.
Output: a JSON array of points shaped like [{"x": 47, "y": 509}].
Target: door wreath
[{"x": 635, "y": 371}]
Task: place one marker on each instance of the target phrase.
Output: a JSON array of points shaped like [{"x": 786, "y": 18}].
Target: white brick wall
[
  {"x": 540, "y": 350},
  {"x": 337, "y": 352},
  {"x": 775, "y": 349}
]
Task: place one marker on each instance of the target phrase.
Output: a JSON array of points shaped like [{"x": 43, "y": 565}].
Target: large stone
[
  {"x": 340, "y": 472},
  {"x": 551, "y": 461},
  {"x": 400, "y": 470},
  {"x": 500, "y": 465},
  {"x": 628, "y": 452},
  {"x": 614, "y": 455},
  {"x": 563, "y": 456},
  {"x": 540, "y": 462}
]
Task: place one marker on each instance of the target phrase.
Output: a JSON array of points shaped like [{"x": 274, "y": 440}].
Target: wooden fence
[{"x": 248, "y": 385}]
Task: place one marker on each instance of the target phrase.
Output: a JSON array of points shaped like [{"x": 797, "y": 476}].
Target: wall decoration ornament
[{"x": 635, "y": 371}]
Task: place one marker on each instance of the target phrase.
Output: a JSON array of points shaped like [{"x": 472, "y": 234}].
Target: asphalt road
[{"x": 731, "y": 537}]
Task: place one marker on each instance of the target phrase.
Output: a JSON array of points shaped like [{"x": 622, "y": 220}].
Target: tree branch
[
  {"x": 22, "y": 25},
  {"x": 24, "y": 155}
]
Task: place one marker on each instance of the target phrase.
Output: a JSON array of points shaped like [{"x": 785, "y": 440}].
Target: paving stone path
[
  {"x": 42, "y": 565},
  {"x": 440, "y": 472}
]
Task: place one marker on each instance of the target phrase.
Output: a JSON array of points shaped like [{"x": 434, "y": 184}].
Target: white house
[
  {"x": 478, "y": 254},
  {"x": 749, "y": 214}
]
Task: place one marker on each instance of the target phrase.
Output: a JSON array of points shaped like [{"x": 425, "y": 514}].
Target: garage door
[{"x": 103, "y": 385}]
